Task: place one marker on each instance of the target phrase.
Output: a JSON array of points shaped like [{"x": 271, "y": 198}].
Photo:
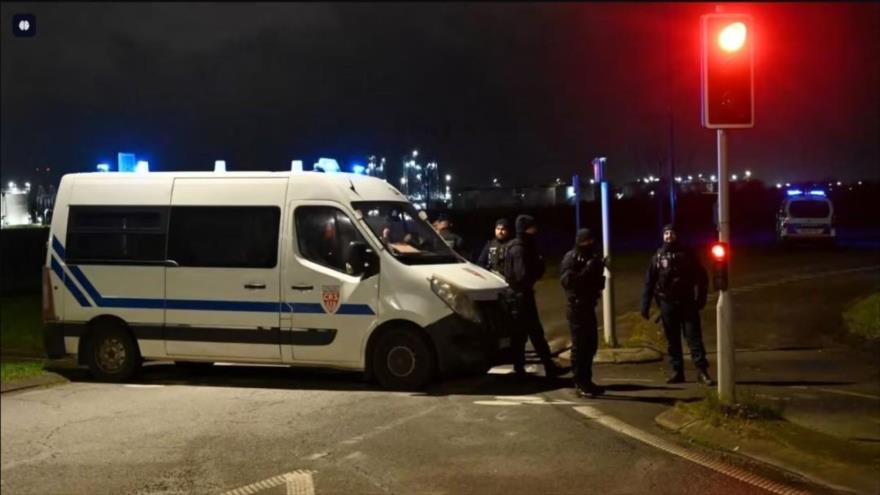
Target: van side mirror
[{"x": 361, "y": 260}]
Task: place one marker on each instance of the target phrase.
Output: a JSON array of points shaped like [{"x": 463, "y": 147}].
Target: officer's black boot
[
  {"x": 704, "y": 378},
  {"x": 589, "y": 389},
  {"x": 677, "y": 377}
]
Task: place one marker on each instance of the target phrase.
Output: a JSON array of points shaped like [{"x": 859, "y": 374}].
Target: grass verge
[
  {"x": 863, "y": 317},
  {"x": 13, "y": 371},
  {"x": 639, "y": 332},
  {"x": 737, "y": 416},
  {"x": 21, "y": 325}
]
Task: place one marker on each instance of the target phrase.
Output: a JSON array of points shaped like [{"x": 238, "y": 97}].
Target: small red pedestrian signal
[
  {"x": 727, "y": 71},
  {"x": 719, "y": 252}
]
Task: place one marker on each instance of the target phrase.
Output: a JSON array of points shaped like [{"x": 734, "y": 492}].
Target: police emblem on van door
[{"x": 330, "y": 298}]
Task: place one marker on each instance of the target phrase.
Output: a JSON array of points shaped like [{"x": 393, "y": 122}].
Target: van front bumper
[{"x": 464, "y": 346}]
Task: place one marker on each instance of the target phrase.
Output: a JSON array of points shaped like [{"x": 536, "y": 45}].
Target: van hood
[{"x": 479, "y": 283}]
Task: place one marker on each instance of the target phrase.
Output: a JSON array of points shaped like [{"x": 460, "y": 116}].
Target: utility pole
[{"x": 608, "y": 293}]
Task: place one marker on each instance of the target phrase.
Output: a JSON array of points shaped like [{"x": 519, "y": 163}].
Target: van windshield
[
  {"x": 808, "y": 209},
  {"x": 407, "y": 237}
]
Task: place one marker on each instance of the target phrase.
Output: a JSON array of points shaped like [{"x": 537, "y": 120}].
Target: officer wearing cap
[
  {"x": 444, "y": 228},
  {"x": 523, "y": 266},
  {"x": 492, "y": 256},
  {"x": 583, "y": 280},
  {"x": 679, "y": 283}
]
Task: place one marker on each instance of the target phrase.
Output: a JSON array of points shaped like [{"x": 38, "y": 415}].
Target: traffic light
[
  {"x": 720, "y": 252},
  {"x": 727, "y": 71}
]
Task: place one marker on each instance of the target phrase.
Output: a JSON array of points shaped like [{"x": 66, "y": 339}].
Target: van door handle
[
  {"x": 302, "y": 287},
  {"x": 254, "y": 286}
]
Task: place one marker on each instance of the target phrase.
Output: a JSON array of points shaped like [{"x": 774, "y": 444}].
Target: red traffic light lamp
[
  {"x": 720, "y": 252},
  {"x": 727, "y": 82},
  {"x": 733, "y": 37}
]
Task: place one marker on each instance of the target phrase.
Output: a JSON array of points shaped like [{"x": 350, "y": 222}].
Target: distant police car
[
  {"x": 298, "y": 268},
  {"x": 805, "y": 216}
]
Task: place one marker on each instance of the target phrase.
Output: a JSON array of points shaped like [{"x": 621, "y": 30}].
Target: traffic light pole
[{"x": 726, "y": 390}]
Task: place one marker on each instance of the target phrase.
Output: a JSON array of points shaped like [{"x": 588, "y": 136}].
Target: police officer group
[{"x": 675, "y": 279}]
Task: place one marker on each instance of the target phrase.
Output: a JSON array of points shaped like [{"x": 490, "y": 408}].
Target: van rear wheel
[
  {"x": 113, "y": 355},
  {"x": 403, "y": 359}
]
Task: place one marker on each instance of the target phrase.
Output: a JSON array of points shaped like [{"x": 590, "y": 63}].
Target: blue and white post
[{"x": 608, "y": 293}]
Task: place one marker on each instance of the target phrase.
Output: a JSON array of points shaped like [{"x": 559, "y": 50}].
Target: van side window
[
  {"x": 224, "y": 236},
  {"x": 116, "y": 234},
  {"x": 323, "y": 234}
]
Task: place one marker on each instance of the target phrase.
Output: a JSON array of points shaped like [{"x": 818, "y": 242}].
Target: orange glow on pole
[{"x": 732, "y": 37}]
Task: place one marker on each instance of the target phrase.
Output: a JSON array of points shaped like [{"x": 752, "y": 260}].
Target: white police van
[
  {"x": 297, "y": 268},
  {"x": 805, "y": 216}
]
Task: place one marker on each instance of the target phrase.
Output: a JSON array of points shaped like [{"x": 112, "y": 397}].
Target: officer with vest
[
  {"x": 523, "y": 266},
  {"x": 582, "y": 277},
  {"x": 492, "y": 256},
  {"x": 679, "y": 283}
]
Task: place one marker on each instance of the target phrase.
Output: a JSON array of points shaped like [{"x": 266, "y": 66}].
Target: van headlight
[{"x": 455, "y": 298}]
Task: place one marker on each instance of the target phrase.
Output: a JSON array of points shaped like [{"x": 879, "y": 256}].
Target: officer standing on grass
[
  {"x": 583, "y": 280},
  {"x": 492, "y": 256},
  {"x": 523, "y": 267},
  {"x": 679, "y": 283}
]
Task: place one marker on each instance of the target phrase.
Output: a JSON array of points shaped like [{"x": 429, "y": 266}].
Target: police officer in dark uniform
[
  {"x": 583, "y": 279},
  {"x": 492, "y": 256},
  {"x": 444, "y": 228},
  {"x": 679, "y": 283},
  {"x": 523, "y": 266}
]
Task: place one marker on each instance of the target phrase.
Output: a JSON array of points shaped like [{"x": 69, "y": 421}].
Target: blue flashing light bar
[
  {"x": 125, "y": 162},
  {"x": 326, "y": 165},
  {"x": 817, "y": 192},
  {"x": 794, "y": 192},
  {"x": 358, "y": 169},
  {"x": 142, "y": 167},
  {"x": 103, "y": 167}
]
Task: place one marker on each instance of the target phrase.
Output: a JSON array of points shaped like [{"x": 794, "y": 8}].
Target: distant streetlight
[
  {"x": 712, "y": 178},
  {"x": 778, "y": 185},
  {"x": 748, "y": 173},
  {"x": 733, "y": 177},
  {"x": 415, "y": 153},
  {"x": 448, "y": 178},
  {"x": 403, "y": 180}
]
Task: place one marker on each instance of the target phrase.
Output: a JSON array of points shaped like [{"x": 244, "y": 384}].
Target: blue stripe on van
[
  {"x": 84, "y": 281},
  {"x": 355, "y": 309},
  {"x": 184, "y": 304},
  {"x": 56, "y": 244},
  {"x": 68, "y": 282},
  {"x": 271, "y": 307}
]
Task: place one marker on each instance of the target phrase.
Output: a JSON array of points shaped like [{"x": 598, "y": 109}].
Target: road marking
[
  {"x": 497, "y": 403},
  {"x": 133, "y": 385},
  {"x": 518, "y": 400},
  {"x": 645, "y": 380},
  {"x": 298, "y": 483},
  {"x": 701, "y": 459},
  {"x": 847, "y": 392}
]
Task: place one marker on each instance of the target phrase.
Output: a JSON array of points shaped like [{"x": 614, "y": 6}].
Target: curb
[
  {"x": 620, "y": 355},
  {"x": 781, "y": 457},
  {"x": 38, "y": 381},
  {"x": 625, "y": 355}
]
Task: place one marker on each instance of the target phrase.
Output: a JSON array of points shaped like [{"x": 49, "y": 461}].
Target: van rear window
[
  {"x": 116, "y": 234},
  {"x": 808, "y": 209}
]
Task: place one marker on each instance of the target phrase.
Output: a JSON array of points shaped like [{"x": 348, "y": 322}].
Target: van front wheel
[
  {"x": 403, "y": 360},
  {"x": 113, "y": 356}
]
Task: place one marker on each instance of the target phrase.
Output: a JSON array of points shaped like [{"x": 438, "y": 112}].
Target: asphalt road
[{"x": 236, "y": 427}]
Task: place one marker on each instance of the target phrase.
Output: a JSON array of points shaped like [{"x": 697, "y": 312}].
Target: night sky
[{"x": 524, "y": 92}]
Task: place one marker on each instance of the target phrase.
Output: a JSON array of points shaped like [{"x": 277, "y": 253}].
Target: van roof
[{"x": 353, "y": 187}]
